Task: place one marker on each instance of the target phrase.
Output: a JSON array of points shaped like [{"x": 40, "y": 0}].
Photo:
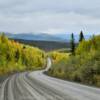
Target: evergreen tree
[
  {"x": 81, "y": 36},
  {"x": 72, "y": 44}
]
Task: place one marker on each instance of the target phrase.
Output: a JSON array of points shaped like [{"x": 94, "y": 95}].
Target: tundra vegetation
[
  {"x": 15, "y": 57},
  {"x": 83, "y": 66}
]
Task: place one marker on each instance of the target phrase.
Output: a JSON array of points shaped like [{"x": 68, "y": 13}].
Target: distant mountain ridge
[{"x": 44, "y": 37}]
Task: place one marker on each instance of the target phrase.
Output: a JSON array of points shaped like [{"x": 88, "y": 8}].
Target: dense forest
[
  {"x": 81, "y": 65},
  {"x": 15, "y": 57}
]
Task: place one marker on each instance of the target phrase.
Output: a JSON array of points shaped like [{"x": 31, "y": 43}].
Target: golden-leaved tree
[{"x": 19, "y": 57}]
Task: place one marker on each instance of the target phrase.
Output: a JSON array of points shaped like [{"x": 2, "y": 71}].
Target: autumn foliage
[
  {"x": 84, "y": 66},
  {"x": 19, "y": 57}
]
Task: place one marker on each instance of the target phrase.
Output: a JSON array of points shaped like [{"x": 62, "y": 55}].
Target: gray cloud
[{"x": 51, "y": 16}]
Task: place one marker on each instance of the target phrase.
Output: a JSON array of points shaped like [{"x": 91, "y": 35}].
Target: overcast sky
[{"x": 50, "y": 16}]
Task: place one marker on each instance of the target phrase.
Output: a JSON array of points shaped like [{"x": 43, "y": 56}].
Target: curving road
[{"x": 37, "y": 86}]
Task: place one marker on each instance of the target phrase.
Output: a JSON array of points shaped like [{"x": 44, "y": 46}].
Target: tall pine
[
  {"x": 81, "y": 36},
  {"x": 72, "y": 44}
]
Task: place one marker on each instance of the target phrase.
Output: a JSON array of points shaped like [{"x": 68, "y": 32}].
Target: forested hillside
[
  {"x": 45, "y": 45},
  {"x": 18, "y": 57},
  {"x": 83, "y": 67}
]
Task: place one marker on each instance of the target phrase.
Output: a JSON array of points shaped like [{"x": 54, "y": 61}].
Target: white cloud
[{"x": 51, "y": 16}]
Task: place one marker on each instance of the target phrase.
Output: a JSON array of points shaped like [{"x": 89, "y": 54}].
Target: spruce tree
[
  {"x": 72, "y": 44},
  {"x": 81, "y": 36}
]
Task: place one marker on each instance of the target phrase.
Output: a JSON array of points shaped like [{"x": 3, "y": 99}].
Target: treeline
[
  {"x": 58, "y": 56},
  {"x": 19, "y": 57},
  {"x": 83, "y": 65},
  {"x": 72, "y": 42}
]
